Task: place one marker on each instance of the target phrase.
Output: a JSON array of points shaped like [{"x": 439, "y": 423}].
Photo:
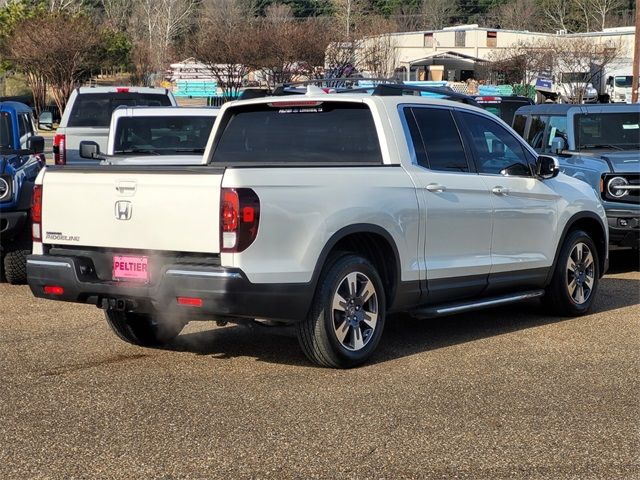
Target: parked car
[
  {"x": 600, "y": 145},
  {"x": 155, "y": 135},
  {"x": 325, "y": 211},
  {"x": 503, "y": 106},
  {"x": 88, "y": 113},
  {"x": 20, "y": 161}
]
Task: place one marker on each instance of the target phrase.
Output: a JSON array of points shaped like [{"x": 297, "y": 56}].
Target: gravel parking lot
[{"x": 507, "y": 393}]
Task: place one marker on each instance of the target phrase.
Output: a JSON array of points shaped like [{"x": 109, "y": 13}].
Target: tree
[
  {"x": 520, "y": 64},
  {"x": 557, "y": 14},
  {"x": 117, "y": 13},
  {"x": 225, "y": 43},
  {"x": 574, "y": 63},
  {"x": 521, "y": 15},
  {"x": 602, "y": 10},
  {"x": 158, "y": 24},
  {"x": 46, "y": 57},
  {"x": 437, "y": 14},
  {"x": 583, "y": 60},
  {"x": 290, "y": 48},
  {"x": 377, "y": 53}
]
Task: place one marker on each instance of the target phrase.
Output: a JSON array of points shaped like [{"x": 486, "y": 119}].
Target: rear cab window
[
  {"x": 163, "y": 135},
  {"x": 341, "y": 133},
  {"x": 95, "y": 109}
]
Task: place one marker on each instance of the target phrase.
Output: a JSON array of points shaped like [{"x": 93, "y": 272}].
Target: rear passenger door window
[
  {"x": 496, "y": 150},
  {"x": 436, "y": 139}
]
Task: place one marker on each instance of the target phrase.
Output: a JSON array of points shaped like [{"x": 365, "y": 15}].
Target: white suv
[{"x": 325, "y": 211}]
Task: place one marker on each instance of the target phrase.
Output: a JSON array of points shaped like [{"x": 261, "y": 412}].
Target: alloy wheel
[
  {"x": 354, "y": 311},
  {"x": 580, "y": 273}
]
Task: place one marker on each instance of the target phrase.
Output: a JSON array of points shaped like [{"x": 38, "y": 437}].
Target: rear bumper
[
  {"x": 12, "y": 224},
  {"x": 624, "y": 227},
  {"x": 224, "y": 292}
]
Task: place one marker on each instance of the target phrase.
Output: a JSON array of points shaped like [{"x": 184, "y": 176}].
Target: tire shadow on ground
[{"x": 404, "y": 335}]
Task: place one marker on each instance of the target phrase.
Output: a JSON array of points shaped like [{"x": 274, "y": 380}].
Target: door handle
[
  {"x": 501, "y": 190},
  {"x": 434, "y": 187}
]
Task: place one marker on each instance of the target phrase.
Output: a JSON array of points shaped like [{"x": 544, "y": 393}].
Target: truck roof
[
  {"x": 389, "y": 101},
  {"x": 15, "y": 106},
  {"x": 122, "y": 89},
  {"x": 567, "y": 108},
  {"x": 165, "y": 111}
]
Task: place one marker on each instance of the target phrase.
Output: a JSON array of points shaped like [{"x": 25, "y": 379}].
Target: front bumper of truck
[
  {"x": 624, "y": 227},
  {"x": 219, "y": 292}
]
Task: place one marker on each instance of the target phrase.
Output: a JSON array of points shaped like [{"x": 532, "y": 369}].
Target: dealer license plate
[{"x": 130, "y": 269}]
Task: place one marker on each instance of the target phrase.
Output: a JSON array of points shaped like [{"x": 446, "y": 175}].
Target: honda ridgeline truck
[{"x": 326, "y": 211}]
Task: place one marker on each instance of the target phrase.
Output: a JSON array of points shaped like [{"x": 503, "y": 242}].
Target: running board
[{"x": 461, "y": 307}]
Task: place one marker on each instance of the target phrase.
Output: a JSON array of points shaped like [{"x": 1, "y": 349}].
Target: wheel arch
[
  {"x": 372, "y": 242},
  {"x": 591, "y": 224}
]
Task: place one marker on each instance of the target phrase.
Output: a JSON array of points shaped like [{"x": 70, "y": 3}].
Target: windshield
[
  {"x": 623, "y": 82},
  {"x": 5, "y": 131},
  {"x": 95, "y": 109},
  {"x": 619, "y": 131},
  {"x": 574, "y": 77},
  {"x": 163, "y": 135}
]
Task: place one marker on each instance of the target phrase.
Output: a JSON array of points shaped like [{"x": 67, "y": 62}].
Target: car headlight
[
  {"x": 615, "y": 187},
  {"x": 5, "y": 189}
]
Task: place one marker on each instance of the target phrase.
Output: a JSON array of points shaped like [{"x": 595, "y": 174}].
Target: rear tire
[
  {"x": 15, "y": 261},
  {"x": 576, "y": 277},
  {"x": 347, "y": 315},
  {"x": 142, "y": 329}
]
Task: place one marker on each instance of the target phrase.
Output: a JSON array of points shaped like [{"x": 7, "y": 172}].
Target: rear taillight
[
  {"x": 239, "y": 218},
  {"x": 60, "y": 149},
  {"x": 36, "y": 213}
]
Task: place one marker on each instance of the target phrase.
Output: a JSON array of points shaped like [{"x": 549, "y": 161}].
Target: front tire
[
  {"x": 15, "y": 261},
  {"x": 347, "y": 316},
  {"x": 576, "y": 277},
  {"x": 142, "y": 329}
]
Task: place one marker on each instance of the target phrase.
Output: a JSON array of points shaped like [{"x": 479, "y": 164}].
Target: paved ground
[{"x": 507, "y": 393}]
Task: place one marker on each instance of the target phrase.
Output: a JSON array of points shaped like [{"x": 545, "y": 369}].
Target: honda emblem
[{"x": 123, "y": 210}]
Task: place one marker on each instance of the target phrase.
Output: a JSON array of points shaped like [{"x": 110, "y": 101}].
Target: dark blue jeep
[{"x": 21, "y": 159}]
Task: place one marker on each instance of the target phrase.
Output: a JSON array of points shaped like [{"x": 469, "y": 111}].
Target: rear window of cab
[
  {"x": 286, "y": 132},
  {"x": 95, "y": 109}
]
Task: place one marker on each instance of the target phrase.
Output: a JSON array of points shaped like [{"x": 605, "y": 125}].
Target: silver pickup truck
[{"x": 88, "y": 113}]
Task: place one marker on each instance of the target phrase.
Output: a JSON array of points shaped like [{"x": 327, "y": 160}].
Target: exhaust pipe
[{"x": 118, "y": 304}]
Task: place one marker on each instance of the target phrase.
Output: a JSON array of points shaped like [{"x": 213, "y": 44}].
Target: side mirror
[
  {"x": 558, "y": 145},
  {"x": 547, "y": 167},
  {"x": 35, "y": 144},
  {"x": 45, "y": 121},
  {"x": 89, "y": 149}
]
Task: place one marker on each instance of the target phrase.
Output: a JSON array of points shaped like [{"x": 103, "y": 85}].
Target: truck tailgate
[{"x": 168, "y": 210}]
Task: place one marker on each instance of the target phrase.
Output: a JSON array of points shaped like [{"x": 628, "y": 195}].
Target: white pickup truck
[
  {"x": 88, "y": 113},
  {"x": 327, "y": 212},
  {"x": 155, "y": 136}
]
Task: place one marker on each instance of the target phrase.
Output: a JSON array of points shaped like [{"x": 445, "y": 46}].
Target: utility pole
[{"x": 636, "y": 58}]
